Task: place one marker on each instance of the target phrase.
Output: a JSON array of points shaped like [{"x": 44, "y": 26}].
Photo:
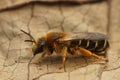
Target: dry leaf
[{"x": 40, "y": 18}]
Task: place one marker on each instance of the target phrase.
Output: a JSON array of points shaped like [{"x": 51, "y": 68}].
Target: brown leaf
[{"x": 40, "y": 18}]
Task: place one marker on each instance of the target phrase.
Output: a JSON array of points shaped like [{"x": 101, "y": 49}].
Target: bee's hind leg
[{"x": 88, "y": 53}]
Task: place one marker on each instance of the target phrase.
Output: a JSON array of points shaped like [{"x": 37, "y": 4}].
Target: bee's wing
[{"x": 85, "y": 35}]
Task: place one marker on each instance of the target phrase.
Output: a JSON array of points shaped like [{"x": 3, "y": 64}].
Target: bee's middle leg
[{"x": 64, "y": 55}]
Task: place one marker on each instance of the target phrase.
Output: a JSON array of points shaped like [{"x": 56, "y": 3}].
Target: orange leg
[
  {"x": 64, "y": 54},
  {"x": 56, "y": 47},
  {"x": 74, "y": 51},
  {"x": 88, "y": 53}
]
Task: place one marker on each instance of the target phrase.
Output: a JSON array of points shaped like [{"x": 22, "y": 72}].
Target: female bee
[{"x": 88, "y": 44}]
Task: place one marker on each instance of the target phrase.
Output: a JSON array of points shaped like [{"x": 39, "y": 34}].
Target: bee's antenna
[
  {"x": 29, "y": 41},
  {"x": 28, "y": 35}
]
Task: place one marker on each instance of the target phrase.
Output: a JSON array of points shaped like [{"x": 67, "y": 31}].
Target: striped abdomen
[{"x": 91, "y": 45}]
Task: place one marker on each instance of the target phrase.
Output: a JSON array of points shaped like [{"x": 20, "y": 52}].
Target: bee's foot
[{"x": 62, "y": 66}]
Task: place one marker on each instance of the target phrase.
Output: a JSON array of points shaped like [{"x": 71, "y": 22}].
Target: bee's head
[{"x": 38, "y": 46}]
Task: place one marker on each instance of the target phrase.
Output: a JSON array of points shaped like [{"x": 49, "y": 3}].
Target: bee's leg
[
  {"x": 88, "y": 53},
  {"x": 64, "y": 54},
  {"x": 38, "y": 58},
  {"x": 56, "y": 47},
  {"x": 74, "y": 51}
]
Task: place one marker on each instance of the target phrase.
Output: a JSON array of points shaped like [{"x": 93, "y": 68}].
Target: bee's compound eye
[
  {"x": 39, "y": 47},
  {"x": 34, "y": 48}
]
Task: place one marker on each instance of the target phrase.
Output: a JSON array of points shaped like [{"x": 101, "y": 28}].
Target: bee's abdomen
[
  {"x": 91, "y": 45},
  {"x": 98, "y": 45}
]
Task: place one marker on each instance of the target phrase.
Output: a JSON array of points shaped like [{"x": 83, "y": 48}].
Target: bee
[{"x": 85, "y": 43}]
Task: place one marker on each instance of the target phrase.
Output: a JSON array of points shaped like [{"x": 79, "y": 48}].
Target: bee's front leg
[
  {"x": 38, "y": 58},
  {"x": 64, "y": 55}
]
